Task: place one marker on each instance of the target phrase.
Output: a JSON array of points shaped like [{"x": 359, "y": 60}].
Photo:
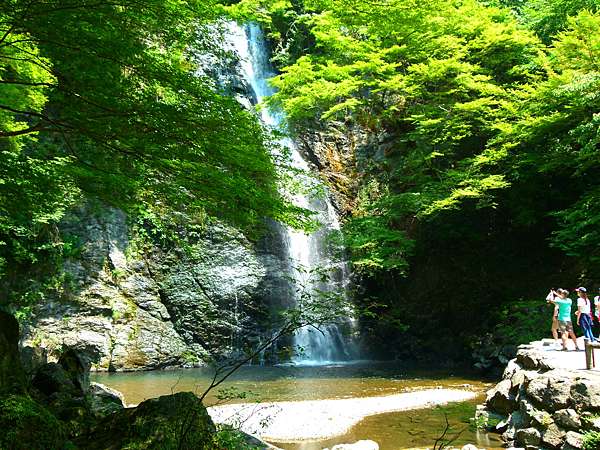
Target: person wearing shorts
[{"x": 565, "y": 326}]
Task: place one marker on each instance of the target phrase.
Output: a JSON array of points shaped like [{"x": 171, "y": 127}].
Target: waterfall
[{"x": 307, "y": 251}]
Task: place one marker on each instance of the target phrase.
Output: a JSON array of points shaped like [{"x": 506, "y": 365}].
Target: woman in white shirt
[{"x": 584, "y": 313}]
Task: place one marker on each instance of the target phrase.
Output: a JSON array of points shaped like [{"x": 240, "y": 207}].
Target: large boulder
[
  {"x": 62, "y": 386},
  {"x": 170, "y": 422},
  {"x": 585, "y": 393},
  {"x": 501, "y": 399},
  {"x": 553, "y": 436},
  {"x": 52, "y": 379},
  {"x": 528, "y": 437},
  {"x": 573, "y": 441},
  {"x": 552, "y": 390},
  {"x": 104, "y": 400},
  {"x": 567, "y": 418},
  {"x": 12, "y": 378}
]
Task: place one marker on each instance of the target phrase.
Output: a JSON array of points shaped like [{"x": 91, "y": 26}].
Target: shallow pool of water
[{"x": 393, "y": 431}]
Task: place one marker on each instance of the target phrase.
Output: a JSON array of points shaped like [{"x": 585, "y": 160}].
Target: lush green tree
[
  {"x": 438, "y": 82},
  {"x": 104, "y": 100},
  {"x": 548, "y": 17}
]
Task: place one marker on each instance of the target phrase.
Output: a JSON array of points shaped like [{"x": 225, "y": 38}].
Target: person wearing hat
[
  {"x": 565, "y": 325},
  {"x": 584, "y": 313}
]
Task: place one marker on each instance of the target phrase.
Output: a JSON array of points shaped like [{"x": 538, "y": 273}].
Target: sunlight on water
[{"x": 367, "y": 379}]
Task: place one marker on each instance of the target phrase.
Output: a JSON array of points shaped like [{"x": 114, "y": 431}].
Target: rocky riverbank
[{"x": 546, "y": 400}]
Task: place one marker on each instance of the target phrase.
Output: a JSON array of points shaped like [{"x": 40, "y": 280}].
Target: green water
[{"x": 393, "y": 431}]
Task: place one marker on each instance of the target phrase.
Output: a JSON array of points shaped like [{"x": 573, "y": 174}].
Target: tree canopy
[
  {"x": 482, "y": 105},
  {"x": 105, "y": 100}
]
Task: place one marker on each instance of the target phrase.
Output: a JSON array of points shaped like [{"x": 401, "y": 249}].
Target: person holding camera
[
  {"x": 565, "y": 326},
  {"x": 554, "y": 327}
]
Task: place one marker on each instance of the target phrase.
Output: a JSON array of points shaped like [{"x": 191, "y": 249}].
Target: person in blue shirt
[{"x": 565, "y": 325}]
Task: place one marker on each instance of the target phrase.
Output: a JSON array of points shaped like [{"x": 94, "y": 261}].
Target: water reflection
[{"x": 392, "y": 431}]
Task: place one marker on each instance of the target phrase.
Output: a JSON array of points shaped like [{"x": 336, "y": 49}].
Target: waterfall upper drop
[{"x": 307, "y": 252}]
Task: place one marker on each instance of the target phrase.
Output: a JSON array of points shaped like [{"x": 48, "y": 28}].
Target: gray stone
[
  {"x": 553, "y": 436},
  {"x": 567, "y": 418},
  {"x": 573, "y": 441},
  {"x": 516, "y": 421},
  {"x": 528, "y": 436},
  {"x": 104, "y": 400},
  {"x": 500, "y": 398},
  {"x": 511, "y": 369},
  {"x": 551, "y": 391},
  {"x": 533, "y": 416},
  {"x": 532, "y": 358},
  {"x": 139, "y": 309},
  {"x": 32, "y": 358},
  {"x": 585, "y": 393}
]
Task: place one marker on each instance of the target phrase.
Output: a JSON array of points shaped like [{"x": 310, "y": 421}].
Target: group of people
[{"x": 586, "y": 313}]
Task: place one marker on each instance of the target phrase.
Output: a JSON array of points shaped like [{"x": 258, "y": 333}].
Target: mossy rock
[
  {"x": 178, "y": 421},
  {"x": 11, "y": 373},
  {"x": 28, "y": 425}
]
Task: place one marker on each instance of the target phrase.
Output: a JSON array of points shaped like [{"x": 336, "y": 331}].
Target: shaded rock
[
  {"x": 32, "y": 358},
  {"x": 585, "y": 393},
  {"x": 171, "y": 421},
  {"x": 528, "y": 436},
  {"x": 12, "y": 378},
  {"x": 573, "y": 441},
  {"x": 567, "y": 418},
  {"x": 104, "y": 400},
  {"x": 52, "y": 379},
  {"x": 533, "y": 416},
  {"x": 500, "y": 398},
  {"x": 553, "y": 436},
  {"x": 77, "y": 368},
  {"x": 516, "y": 421},
  {"x": 28, "y": 425},
  {"x": 60, "y": 392}
]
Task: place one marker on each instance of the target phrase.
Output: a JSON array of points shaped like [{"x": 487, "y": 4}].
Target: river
[{"x": 392, "y": 431}]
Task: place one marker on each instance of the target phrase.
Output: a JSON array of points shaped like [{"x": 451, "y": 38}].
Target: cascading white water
[{"x": 306, "y": 251}]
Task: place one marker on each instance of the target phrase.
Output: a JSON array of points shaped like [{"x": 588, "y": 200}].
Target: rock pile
[{"x": 540, "y": 403}]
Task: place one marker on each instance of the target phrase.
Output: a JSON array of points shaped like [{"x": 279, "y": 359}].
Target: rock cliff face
[
  {"x": 134, "y": 307},
  {"x": 544, "y": 401}
]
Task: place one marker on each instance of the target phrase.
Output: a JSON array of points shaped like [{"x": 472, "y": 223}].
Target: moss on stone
[{"x": 28, "y": 425}]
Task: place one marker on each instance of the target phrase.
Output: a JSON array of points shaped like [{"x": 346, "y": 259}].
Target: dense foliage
[
  {"x": 486, "y": 181},
  {"x": 477, "y": 180},
  {"x": 104, "y": 100}
]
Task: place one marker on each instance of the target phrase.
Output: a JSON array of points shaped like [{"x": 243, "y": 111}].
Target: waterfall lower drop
[{"x": 306, "y": 251}]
